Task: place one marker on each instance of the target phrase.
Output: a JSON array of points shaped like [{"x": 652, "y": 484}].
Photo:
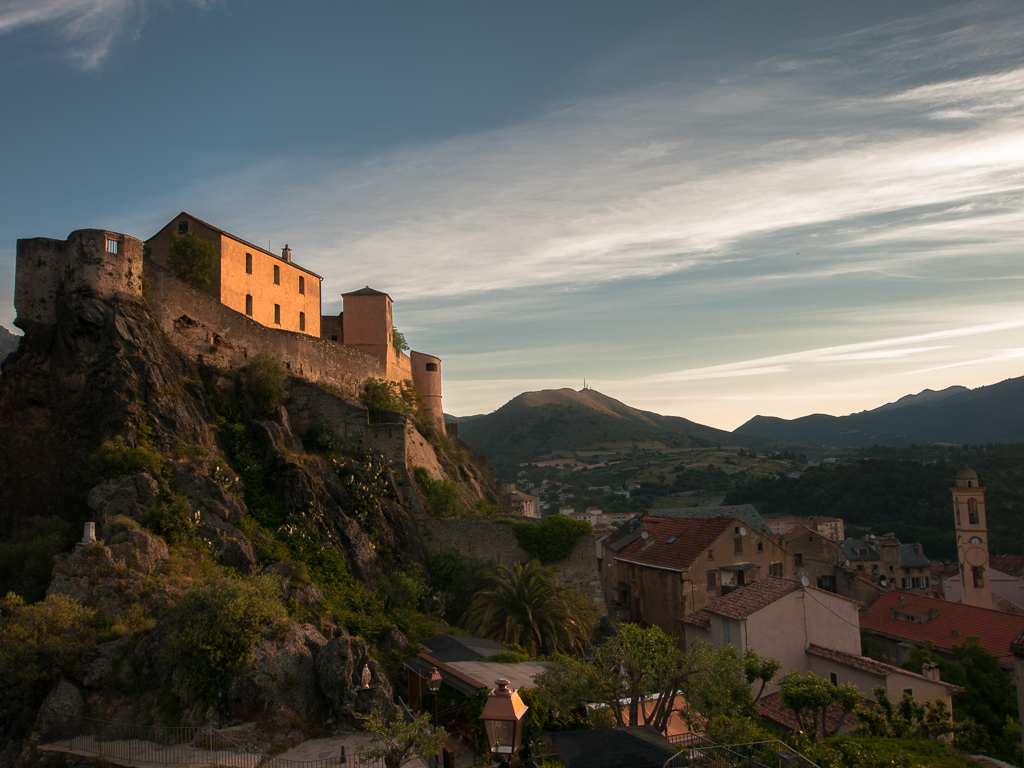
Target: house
[
  {"x": 816, "y": 557},
  {"x": 271, "y": 289},
  {"x": 808, "y": 630},
  {"x": 888, "y": 563},
  {"x": 461, "y": 662},
  {"x": 831, "y": 527},
  {"x": 668, "y": 567},
  {"x": 745, "y": 513},
  {"x": 1007, "y": 590},
  {"x": 899, "y": 621}
]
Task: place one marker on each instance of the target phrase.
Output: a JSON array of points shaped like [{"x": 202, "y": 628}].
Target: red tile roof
[
  {"x": 800, "y": 530},
  {"x": 870, "y": 666},
  {"x": 744, "y": 601},
  {"x": 699, "y": 618},
  {"x": 778, "y": 714},
  {"x": 954, "y": 623},
  {"x": 692, "y": 537},
  {"x": 1011, "y": 564}
]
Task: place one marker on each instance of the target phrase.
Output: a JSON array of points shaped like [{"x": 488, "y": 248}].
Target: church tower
[{"x": 971, "y": 539}]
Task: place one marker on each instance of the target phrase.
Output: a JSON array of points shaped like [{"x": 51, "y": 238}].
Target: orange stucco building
[{"x": 271, "y": 289}]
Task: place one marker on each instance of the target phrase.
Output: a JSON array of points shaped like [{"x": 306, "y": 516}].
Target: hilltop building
[
  {"x": 257, "y": 302},
  {"x": 832, "y": 527}
]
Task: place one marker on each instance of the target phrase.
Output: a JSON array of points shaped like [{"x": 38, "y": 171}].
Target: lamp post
[
  {"x": 503, "y": 722},
  {"x": 434, "y": 685}
]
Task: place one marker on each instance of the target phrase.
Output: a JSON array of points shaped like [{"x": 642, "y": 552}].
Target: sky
[{"x": 710, "y": 210}]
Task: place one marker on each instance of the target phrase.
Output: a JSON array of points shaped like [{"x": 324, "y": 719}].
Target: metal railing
[
  {"x": 758, "y": 754},
  {"x": 126, "y": 744}
]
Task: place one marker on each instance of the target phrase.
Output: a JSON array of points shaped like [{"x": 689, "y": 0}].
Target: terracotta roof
[
  {"x": 775, "y": 712},
  {"x": 1011, "y": 564},
  {"x": 870, "y": 666},
  {"x": 699, "y": 618},
  {"x": 742, "y": 602},
  {"x": 800, "y": 530},
  {"x": 367, "y": 291},
  {"x": 746, "y": 513},
  {"x": 954, "y": 623},
  {"x": 690, "y": 538}
]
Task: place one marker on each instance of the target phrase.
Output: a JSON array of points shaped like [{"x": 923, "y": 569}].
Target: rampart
[
  {"x": 103, "y": 263},
  {"x": 203, "y": 328},
  {"x": 479, "y": 538}
]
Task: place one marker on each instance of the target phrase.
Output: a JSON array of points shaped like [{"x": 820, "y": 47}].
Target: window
[
  {"x": 956, "y": 508},
  {"x": 302, "y": 321},
  {"x": 890, "y": 569},
  {"x": 737, "y": 546},
  {"x": 908, "y": 583},
  {"x": 979, "y": 577},
  {"x": 798, "y": 559},
  {"x": 248, "y": 305},
  {"x": 277, "y": 312},
  {"x": 431, "y": 366},
  {"x": 972, "y": 511},
  {"x": 182, "y": 227},
  {"x": 909, "y": 690},
  {"x": 775, "y": 569},
  {"x": 248, "y": 263},
  {"x": 833, "y": 678},
  {"x": 712, "y": 580},
  {"x": 111, "y": 246},
  {"x": 711, "y": 554},
  {"x": 760, "y": 546},
  {"x": 828, "y": 583},
  {"x": 277, "y": 275},
  {"x": 302, "y": 285}
]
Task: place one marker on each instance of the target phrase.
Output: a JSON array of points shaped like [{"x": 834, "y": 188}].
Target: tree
[
  {"x": 907, "y": 718},
  {"x": 398, "y": 340},
  {"x": 265, "y": 377},
  {"x": 396, "y": 742},
  {"x": 527, "y": 606},
  {"x": 810, "y": 698},
  {"x": 192, "y": 259}
]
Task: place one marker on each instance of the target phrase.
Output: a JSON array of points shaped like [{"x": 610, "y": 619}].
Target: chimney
[
  {"x": 919, "y": 548},
  {"x": 902, "y": 603},
  {"x": 286, "y": 253},
  {"x": 930, "y": 670},
  {"x": 933, "y": 613}
]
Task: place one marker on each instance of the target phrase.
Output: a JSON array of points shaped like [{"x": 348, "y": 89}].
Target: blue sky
[{"x": 712, "y": 210}]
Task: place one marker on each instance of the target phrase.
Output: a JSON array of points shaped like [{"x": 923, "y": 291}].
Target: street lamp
[
  {"x": 503, "y": 721},
  {"x": 434, "y": 685}
]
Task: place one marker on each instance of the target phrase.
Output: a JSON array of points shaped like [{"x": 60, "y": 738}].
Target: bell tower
[{"x": 971, "y": 539}]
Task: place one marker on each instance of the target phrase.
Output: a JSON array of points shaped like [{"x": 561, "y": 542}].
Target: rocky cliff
[{"x": 192, "y": 476}]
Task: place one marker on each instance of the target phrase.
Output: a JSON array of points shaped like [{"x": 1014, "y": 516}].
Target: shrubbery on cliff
[{"x": 551, "y": 540}]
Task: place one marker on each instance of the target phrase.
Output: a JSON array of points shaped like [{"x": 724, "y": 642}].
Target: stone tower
[{"x": 972, "y": 539}]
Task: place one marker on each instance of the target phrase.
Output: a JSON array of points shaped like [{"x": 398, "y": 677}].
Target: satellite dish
[
  {"x": 645, "y": 535},
  {"x": 881, "y": 580},
  {"x": 805, "y": 581},
  {"x": 743, "y": 531}
]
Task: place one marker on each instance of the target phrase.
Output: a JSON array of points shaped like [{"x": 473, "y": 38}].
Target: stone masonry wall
[
  {"x": 81, "y": 262},
  {"x": 203, "y": 328},
  {"x": 478, "y": 538}
]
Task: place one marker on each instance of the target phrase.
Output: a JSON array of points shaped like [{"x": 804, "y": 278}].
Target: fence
[
  {"x": 760, "y": 754},
  {"x": 159, "y": 745}
]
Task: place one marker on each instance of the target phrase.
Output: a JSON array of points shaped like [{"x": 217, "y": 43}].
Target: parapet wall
[
  {"x": 204, "y": 329},
  {"x": 478, "y": 538},
  {"x": 83, "y": 262}
]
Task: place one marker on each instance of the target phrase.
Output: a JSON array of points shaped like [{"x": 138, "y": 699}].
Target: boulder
[
  {"x": 64, "y": 701},
  {"x": 129, "y": 496},
  {"x": 293, "y": 585},
  {"x": 192, "y": 479},
  {"x": 96, "y": 667}
]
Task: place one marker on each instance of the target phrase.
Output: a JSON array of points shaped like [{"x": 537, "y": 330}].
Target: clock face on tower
[{"x": 976, "y": 541}]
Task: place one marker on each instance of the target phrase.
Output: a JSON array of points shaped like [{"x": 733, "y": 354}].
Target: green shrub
[
  {"x": 115, "y": 458},
  {"x": 173, "y": 519},
  {"x": 192, "y": 259},
  {"x": 216, "y": 627},
  {"x": 264, "y": 378},
  {"x": 321, "y": 438},
  {"x": 38, "y": 643},
  {"x": 380, "y": 395},
  {"x": 26, "y": 560},
  {"x": 441, "y": 498},
  {"x": 455, "y": 579},
  {"x": 552, "y": 539}
]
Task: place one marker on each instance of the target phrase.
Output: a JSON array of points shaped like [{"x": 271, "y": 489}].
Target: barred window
[
  {"x": 111, "y": 245},
  {"x": 277, "y": 314}
]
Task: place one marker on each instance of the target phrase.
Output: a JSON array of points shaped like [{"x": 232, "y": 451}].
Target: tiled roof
[
  {"x": 870, "y": 666},
  {"x": 637, "y": 746},
  {"x": 1011, "y": 564},
  {"x": 1017, "y": 646},
  {"x": 365, "y": 291},
  {"x": 455, "y": 648},
  {"x": 850, "y": 547},
  {"x": 622, "y": 538},
  {"x": 796, "y": 533},
  {"x": 690, "y": 538},
  {"x": 778, "y": 714},
  {"x": 954, "y": 623},
  {"x": 911, "y": 558},
  {"x": 699, "y": 618},
  {"x": 743, "y": 601},
  {"x": 743, "y": 512}
]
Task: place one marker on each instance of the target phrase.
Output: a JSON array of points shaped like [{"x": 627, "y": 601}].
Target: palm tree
[{"x": 527, "y": 606}]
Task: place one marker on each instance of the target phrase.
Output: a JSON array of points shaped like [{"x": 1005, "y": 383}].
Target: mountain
[
  {"x": 991, "y": 414},
  {"x": 534, "y": 424},
  {"x": 8, "y": 342}
]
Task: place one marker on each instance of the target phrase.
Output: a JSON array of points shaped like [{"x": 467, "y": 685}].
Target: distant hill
[
  {"x": 534, "y": 424},
  {"x": 992, "y": 414},
  {"x": 8, "y": 342}
]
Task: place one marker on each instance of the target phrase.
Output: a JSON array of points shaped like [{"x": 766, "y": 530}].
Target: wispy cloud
[{"x": 86, "y": 28}]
